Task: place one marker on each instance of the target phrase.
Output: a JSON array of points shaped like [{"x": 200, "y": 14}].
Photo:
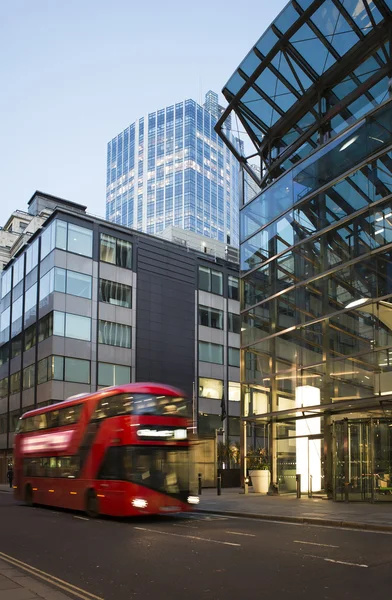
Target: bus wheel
[
  {"x": 29, "y": 495},
  {"x": 92, "y": 507}
]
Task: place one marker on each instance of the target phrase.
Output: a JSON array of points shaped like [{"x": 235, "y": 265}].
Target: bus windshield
[
  {"x": 141, "y": 404},
  {"x": 163, "y": 469}
]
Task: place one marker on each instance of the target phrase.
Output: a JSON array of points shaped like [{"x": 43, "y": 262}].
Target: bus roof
[{"x": 127, "y": 388}]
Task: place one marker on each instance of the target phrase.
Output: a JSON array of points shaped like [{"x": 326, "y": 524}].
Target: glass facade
[
  {"x": 171, "y": 168},
  {"x": 316, "y": 282}
]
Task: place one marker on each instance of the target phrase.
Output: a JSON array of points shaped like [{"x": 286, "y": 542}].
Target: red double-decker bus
[{"x": 121, "y": 451}]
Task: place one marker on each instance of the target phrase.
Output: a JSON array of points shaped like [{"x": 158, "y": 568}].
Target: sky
[{"x": 74, "y": 73}]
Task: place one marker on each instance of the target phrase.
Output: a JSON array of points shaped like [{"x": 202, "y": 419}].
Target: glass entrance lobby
[
  {"x": 340, "y": 456},
  {"x": 314, "y": 98}
]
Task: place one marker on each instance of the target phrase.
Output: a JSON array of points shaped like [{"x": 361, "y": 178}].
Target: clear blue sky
[{"x": 74, "y": 73}]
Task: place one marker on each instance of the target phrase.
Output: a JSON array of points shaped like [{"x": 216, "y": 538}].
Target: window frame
[{"x": 119, "y": 246}]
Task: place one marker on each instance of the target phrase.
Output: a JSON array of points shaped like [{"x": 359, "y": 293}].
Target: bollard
[
  {"x": 219, "y": 485},
  {"x": 298, "y": 480},
  {"x": 199, "y": 483},
  {"x": 246, "y": 485},
  {"x": 310, "y": 493}
]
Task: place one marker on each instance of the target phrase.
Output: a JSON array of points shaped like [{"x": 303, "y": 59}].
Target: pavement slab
[{"x": 15, "y": 585}]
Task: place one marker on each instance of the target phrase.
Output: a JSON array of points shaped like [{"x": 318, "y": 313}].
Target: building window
[
  {"x": 16, "y": 346},
  {"x": 234, "y": 391},
  {"x": 115, "y": 293},
  {"x": 62, "y": 368},
  {"x": 234, "y": 357},
  {"x": 80, "y": 240},
  {"x": 65, "y": 324},
  {"x": 45, "y": 327},
  {"x": 66, "y": 282},
  {"x": 30, "y": 302},
  {"x": 32, "y": 256},
  {"x": 17, "y": 307},
  {"x": 18, "y": 270},
  {"x": 115, "y": 251},
  {"x": 210, "y": 281},
  {"x": 30, "y": 337},
  {"x": 212, "y": 353},
  {"x": 29, "y": 377},
  {"x": 4, "y": 387},
  {"x": 210, "y": 317},
  {"x": 5, "y": 325},
  {"x": 78, "y": 284},
  {"x": 4, "y": 353},
  {"x": 72, "y": 326},
  {"x": 15, "y": 382},
  {"x": 76, "y": 370},
  {"x": 6, "y": 277},
  {"x": 233, "y": 288},
  {"x": 210, "y": 388},
  {"x": 114, "y": 334},
  {"x": 113, "y": 374},
  {"x": 55, "y": 368},
  {"x": 67, "y": 236},
  {"x": 234, "y": 323}
]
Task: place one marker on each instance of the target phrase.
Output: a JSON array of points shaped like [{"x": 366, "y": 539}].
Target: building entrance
[{"x": 362, "y": 460}]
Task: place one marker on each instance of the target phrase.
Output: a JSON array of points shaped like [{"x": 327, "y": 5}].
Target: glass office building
[
  {"x": 314, "y": 95},
  {"x": 171, "y": 168}
]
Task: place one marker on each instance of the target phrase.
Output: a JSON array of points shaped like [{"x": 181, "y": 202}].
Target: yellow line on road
[{"x": 56, "y": 581}]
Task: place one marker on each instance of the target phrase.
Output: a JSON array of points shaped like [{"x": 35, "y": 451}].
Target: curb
[{"x": 303, "y": 520}]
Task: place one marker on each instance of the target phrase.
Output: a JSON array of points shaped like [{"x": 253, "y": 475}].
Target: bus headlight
[
  {"x": 193, "y": 499},
  {"x": 139, "y": 503}
]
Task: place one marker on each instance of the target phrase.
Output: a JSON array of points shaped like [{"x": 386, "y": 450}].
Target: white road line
[
  {"x": 337, "y": 562},
  {"x": 240, "y": 533},
  {"x": 314, "y": 544},
  {"x": 189, "y": 537},
  {"x": 185, "y": 526},
  {"x": 81, "y": 518},
  {"x": 342, "y": 562}
]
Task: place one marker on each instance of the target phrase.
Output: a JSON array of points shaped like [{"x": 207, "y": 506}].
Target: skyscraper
[{"x": 170, "y": 168}]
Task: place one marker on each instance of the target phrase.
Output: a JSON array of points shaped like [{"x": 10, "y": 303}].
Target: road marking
[
  {"x": 186, "y": 526},
  {"x": 189, "y": 537},
  {"x": 342, "y": 562},
  {"x": 338, "y": 562},
  {"x": 314, "y": 544},
  {"x": 55, "y": 581},
  {"x": 240, "y": 533},
  {"x": 81, "y": 518}
]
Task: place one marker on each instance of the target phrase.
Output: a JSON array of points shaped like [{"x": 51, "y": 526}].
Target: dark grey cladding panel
[{"x": 165, "y": 314}]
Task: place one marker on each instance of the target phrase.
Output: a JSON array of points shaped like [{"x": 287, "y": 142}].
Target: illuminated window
[
  {"x": 234, "y": 391},
  {"x": 210, "y": 388}
]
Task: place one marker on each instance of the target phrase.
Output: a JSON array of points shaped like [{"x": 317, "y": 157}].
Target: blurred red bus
[{"x": 121, "y": 451}]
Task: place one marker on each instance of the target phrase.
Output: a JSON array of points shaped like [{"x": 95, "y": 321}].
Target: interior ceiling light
[
  {"x": 348, "y": 143},
  {"x": 355, "y": 303}
]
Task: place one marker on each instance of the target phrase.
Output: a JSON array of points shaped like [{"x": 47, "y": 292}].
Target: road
[{"x": 197, "y": 557}]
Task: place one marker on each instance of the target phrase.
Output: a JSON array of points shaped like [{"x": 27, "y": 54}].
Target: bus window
[
  {"x": 20, "y": 426},
  {"x": 70, "y": 415},
  {"x": 112, "y": 464},
  {"x": 53, "y": 418},
  {"x": 140, "y": 404}
]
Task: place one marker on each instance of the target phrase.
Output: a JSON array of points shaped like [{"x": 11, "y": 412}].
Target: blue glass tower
[{"x": 171, "y": 168}]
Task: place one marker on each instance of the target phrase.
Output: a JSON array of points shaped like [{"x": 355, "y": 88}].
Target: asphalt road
[{"x": 198, "y": 556}]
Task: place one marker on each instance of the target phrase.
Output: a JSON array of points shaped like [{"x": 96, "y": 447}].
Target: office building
[
  {"x": 314, "y": 95},
  {"x": 169, "y": 168},
  {"x": 87, "y": 304}
]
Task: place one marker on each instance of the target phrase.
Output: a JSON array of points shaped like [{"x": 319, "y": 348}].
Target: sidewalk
[
  {"x": 316, "y": 511},
  {"x": 5, "y": 488},
  {"x": 16, "y": 585}
]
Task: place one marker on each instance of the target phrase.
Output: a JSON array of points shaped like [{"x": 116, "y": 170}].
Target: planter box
[{"x": 260, "y": 480}]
